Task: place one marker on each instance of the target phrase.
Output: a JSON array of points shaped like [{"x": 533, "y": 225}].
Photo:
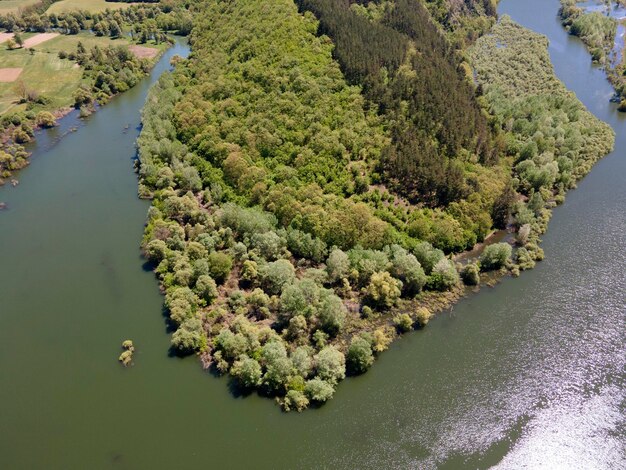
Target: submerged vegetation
[{"x": 306, "y": 189}]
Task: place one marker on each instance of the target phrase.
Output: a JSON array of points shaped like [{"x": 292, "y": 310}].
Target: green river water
[{"x": 529, "y": 374}]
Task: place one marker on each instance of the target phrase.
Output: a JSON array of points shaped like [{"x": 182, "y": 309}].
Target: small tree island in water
[{"x": 126, "y": 358}]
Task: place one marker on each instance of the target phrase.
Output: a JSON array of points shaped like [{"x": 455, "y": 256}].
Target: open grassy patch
[
  {"x": 69, "y": 43},
  {"x": 8, "y": 6},
  {"x": 89, "y": 5},
  {"x": 45, "y": 73}
]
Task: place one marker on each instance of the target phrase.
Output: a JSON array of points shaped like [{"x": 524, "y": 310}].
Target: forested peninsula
[{"x": 314, "y": 167}]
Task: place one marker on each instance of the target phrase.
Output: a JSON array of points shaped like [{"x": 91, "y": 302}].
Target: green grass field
[
  {"x": 90, "y": 5},
  {"x": 45, "y": 72},
  {"x": 7, "y": 6}
]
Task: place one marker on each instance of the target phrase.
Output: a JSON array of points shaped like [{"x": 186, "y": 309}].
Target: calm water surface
[{"x": 527, "y": 375}]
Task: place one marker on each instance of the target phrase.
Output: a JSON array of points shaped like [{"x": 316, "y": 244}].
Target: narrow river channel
[{"x": 529, "y": 374}]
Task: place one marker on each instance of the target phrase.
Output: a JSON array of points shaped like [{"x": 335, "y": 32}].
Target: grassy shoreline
[
  {"x": 73, "y": 58},
  {"x": 14, "y": 155}
]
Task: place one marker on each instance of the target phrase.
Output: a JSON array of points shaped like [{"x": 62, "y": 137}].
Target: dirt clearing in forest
[
  {"x": 5, "y": 37},
  {"x": 38, "y": 39},
  {"x": 9, "y": 75},
  {"x": 143, "y": 52}
]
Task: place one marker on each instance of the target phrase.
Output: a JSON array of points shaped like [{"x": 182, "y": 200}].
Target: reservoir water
[{"x": 529, "y": 374}]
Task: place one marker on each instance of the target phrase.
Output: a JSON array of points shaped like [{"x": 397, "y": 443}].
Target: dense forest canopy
[
  {"x": 284, "y": 132},
  {"x": 465, "y": 20},
  {"x": 409, "y": 71}
]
